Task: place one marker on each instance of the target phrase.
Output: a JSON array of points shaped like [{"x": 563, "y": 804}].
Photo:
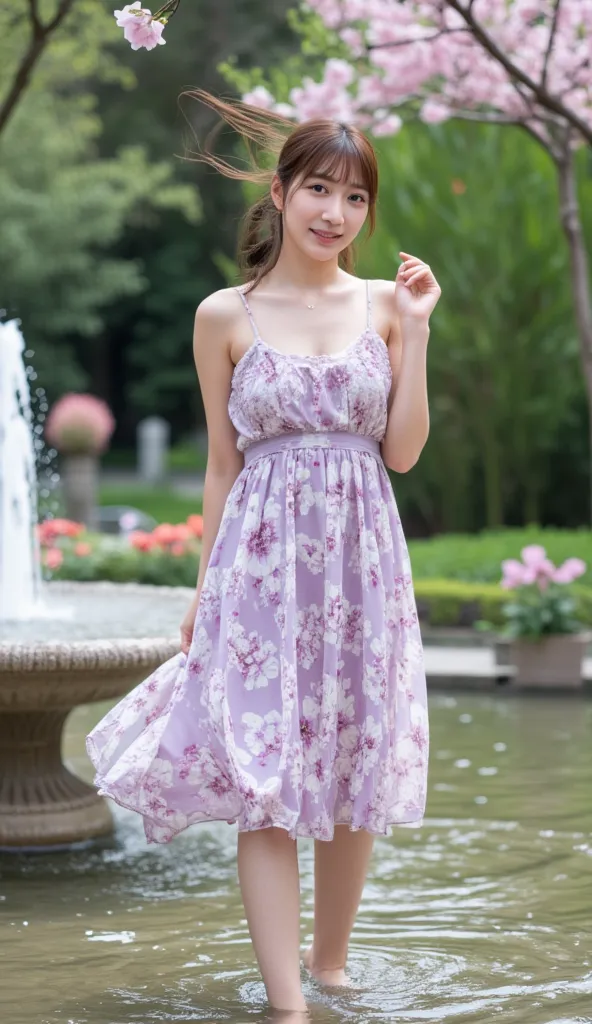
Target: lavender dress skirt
[{"x": 302, "y": 702}]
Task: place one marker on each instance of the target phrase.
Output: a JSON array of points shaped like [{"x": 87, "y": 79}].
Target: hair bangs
[{"x": 341, "y": 159}]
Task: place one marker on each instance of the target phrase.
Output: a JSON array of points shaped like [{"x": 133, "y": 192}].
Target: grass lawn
[{"x": 166, "y": 506}]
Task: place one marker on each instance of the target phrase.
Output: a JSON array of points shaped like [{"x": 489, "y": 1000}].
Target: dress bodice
[{"x": 274, "y": 392}]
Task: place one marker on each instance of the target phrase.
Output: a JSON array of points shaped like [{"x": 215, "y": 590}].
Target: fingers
[{"x": 418, "y": 275}]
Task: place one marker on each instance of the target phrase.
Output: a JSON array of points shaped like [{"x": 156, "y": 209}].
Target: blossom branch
[
  {"x": 550, "y": 44},
  {"x": 540, "y": 91}
]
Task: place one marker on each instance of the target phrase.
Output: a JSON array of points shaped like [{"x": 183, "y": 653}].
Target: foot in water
[{"x": 330, "y": 977}]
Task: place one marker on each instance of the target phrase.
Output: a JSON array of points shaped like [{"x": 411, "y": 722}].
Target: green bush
[
  {"x": 454, "y": 603},
  {"x": 478, "y": 557}
]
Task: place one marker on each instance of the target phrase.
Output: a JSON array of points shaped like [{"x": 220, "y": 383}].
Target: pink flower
[
  {"x": 535, "y": 567},
  {"x": 539, "y": 569},
  {"x": 569, "y": 571},
  {"x": 195, "y": 524},
  {"x": 79, "y": 424},
  {"x": 139, "y": 27},
  {"x": 141, "y": 541},
  {"x": 259, "y": 97},
  {"x": 48, "y": 530},
  {"x": 82, "y": 549},
  {"x": 53, "y": 558},
  {"x": 513, "y": 574}
]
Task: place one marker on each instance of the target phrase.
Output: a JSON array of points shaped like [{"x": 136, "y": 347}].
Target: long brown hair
[{"x": 318, "y": 146}]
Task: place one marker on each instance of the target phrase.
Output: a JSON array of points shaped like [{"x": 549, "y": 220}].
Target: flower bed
[{"x": 168, "y": 555}]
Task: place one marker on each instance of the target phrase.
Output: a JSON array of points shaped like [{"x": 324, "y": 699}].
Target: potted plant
[
  {"x": 79, "y": 427},
  {"x": 543, "y": 637}
]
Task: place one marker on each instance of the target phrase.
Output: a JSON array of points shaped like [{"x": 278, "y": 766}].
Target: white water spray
[{"x": 20, "y": 571}]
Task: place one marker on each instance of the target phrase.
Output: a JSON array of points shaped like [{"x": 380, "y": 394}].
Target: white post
[{"x": 153, "y": 445}]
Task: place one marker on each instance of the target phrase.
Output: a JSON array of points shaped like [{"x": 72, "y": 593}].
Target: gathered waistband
[{"x": 312, "y": 439}]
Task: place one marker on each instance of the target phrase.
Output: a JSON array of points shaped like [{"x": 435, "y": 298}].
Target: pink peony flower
[
  {"x": 569, "y": 571},
  {"x": 513, "y": 574},
  {"x": 140, "y": 27},
  {"x": 535, "y": 567},
  {"x": 82, "y": 549},
  {"x": 539, "y": 569},
  {"x": 79, "y": 424}
]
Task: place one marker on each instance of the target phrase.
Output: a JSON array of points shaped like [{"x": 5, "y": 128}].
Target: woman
[{"x": 297, "y": 706}]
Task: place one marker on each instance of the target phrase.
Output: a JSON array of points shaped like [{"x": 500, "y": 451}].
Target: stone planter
[
  {"x": 554, "y": 662},
  {"x": 80, "y": 476}
]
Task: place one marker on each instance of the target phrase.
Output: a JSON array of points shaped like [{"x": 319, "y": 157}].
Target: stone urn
[{"x": 554, "y": 661}]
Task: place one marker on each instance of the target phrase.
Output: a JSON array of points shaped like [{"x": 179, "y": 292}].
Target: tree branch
[
  {"x": 550, "y": 44},
  {"x": 40, "y": 34},
  {"x": 422, "y": 39},
  {"x": 543, "y": 96}
]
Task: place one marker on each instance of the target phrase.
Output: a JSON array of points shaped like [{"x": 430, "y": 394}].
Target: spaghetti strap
[
  {"x": 249, "y": 313},
  {"x": 369, "y": 319}
]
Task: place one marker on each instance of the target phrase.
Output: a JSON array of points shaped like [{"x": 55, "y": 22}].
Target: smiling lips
[{"x": 327, "y": 236}]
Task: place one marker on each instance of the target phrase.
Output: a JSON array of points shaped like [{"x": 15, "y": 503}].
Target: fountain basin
[{"x": 42, "y": 803}]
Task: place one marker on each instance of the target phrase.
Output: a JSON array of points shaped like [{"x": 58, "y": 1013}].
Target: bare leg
[
  {"x": 270, "y": 887},
  {"x": 340, "y": 871}
]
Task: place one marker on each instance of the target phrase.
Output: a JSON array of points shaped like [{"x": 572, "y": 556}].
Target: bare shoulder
[
  {"x": 220, "y": 309},
  {"x": 384, "y": 293},
  {"x": 386, "y": 317}
]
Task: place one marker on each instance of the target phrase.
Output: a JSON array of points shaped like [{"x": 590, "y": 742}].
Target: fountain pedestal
[{"x": 41, "y": 802}]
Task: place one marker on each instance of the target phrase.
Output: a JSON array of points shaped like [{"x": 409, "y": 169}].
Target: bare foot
[{"x": 330, "y": 977}]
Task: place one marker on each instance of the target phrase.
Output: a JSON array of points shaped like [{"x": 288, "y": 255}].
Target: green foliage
[
  {"x": 64, "y": 210},
  {"x": 532, "y": 613},
  {"x": 455, "y": 604},
  {"x": 478, "y": 557},
  {"x": 503, "y": 363},
  {"x": 163, "y": 504},
  {"x": 317, "y": 44},
  {"x": 114, "y": 559},
  {"x": 442, "y": 602}
]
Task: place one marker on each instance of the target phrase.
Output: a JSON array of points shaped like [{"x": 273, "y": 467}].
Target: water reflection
[{"x": 484, "y": 914}]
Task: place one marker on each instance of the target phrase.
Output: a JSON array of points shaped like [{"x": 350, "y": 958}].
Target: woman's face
[{"x": 322, "y": 215}]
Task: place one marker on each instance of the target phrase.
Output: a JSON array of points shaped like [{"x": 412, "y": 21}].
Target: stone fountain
[{"x": 61, "y": 645}]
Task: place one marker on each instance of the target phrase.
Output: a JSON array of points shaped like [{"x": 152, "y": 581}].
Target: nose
[{"x": 333, "y": 211}]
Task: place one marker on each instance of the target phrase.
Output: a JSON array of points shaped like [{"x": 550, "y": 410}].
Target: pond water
[{"x": 484, "y": 914}]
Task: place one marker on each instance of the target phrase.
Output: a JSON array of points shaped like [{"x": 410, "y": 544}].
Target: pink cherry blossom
[
  {"x": 259, "y": 97},
  {"x": 140, "y": 28},
  {"x": 424, "y": 49}
]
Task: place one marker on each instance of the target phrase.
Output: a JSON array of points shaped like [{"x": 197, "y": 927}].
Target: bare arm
[
  {"x": 211, "y": 349},
  {"x": 408, "y": 422}
]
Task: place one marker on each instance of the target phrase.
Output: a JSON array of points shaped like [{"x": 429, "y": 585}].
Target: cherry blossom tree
[{"x": 507, "y": 62}]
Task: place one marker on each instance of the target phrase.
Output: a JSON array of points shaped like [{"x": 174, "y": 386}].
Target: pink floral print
[{"x": 302, "y": 703}]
